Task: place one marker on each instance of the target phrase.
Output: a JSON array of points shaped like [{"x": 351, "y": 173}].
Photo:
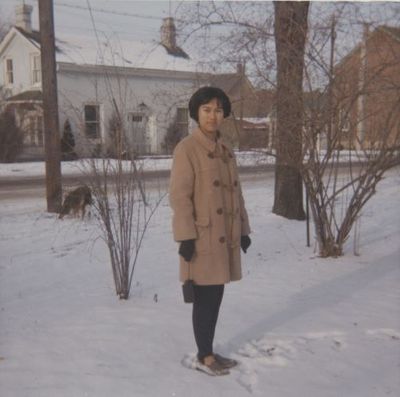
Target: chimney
[
  {"x": 168, "y": 33},
  {"x": 23, "y": 17},
  {"x": 240, "y": 69}
]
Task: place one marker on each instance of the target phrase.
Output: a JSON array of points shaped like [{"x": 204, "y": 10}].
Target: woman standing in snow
[{"x": 209, "y": 219}]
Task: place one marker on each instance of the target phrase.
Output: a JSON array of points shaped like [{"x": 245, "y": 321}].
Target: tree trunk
[{"x": 290, "y": 38}]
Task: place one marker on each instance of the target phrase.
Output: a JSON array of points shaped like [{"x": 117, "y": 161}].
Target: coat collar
[{"x": 207, "y": 143}]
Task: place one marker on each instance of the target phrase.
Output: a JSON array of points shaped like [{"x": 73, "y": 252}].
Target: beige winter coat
[{"x": 207, "y": 203}]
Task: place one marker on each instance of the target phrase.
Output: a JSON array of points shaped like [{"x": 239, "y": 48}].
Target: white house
[{"x": 146, "y": 84}]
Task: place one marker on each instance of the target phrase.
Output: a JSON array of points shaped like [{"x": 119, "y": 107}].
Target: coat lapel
[{"x": 207, "y": 143}]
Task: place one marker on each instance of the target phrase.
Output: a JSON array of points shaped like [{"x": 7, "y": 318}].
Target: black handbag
[{"x": 188, "y": 291}]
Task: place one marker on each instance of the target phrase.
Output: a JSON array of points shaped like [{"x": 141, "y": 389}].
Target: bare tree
[
  {"x": 290, "y": 39},
  {"x": 358, "y": 116},
  {"x": 252, "y": 37},
  {"x": 347, "y": 131},
  {"x": 4, "y": 27},
  {"x": 11, "y": 136}
]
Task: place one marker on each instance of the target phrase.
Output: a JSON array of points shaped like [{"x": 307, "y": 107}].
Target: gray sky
[
  {"x": 129, "y": 18},
  {"x": 141, "y": 20}
]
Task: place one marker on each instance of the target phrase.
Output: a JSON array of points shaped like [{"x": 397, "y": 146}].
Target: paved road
[{"x": 23, "y": 187}]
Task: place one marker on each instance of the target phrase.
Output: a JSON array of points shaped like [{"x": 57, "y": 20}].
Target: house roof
[
  {"x": 33, "y": 36},
  {"x": 14, "y": 31},
  {"x": 26, "y": 96},
  {"x": 392, "y": 31},
  {"x": 176, "y": 52},
  {"x": 226, "y": 81},
  {"x": 112, "y": 51}
]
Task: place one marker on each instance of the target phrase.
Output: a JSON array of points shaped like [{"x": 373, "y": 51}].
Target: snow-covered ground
[
  {"x": 299, "y": 325},
  {"x": 151, "y": 163},
  {"x": 159, "y": 163}
]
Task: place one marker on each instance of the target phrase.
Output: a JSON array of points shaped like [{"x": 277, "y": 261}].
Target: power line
[{"x": 104, "y": 11}]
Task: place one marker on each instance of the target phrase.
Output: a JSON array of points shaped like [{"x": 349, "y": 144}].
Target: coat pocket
[{"x": 203, "y": 235}]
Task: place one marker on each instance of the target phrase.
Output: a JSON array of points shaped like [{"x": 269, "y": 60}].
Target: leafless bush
[
  {"x": 11, "y": 137},
  {"x": 122, "y": 205},
  {"x": 123, "y": 208},
  {"x": 357, "y": 115}
]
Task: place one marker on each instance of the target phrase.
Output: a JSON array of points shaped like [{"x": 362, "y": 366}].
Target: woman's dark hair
[{"x": 206, "y": 94}]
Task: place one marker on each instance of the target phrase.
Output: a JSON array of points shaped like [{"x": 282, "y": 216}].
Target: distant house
[
  {"x": 251, "y": 124},
  {"x": 147, "y": 85},
  {"x": 367, "y": 91}
]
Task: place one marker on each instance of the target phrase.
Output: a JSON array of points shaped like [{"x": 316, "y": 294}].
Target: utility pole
[{"x": 50, "y": 106}]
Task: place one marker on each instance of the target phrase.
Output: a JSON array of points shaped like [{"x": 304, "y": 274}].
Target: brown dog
[{"x": 76, "y": 201}]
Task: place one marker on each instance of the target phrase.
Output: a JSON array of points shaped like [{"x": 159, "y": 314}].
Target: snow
[
  {"x": 151, "y": 163},
  {"x": 250, "y": 158},
  {"x": 111, "y": 50},
  {"x": 257, "y": 120},
  {"x": 298, "y": 324}
]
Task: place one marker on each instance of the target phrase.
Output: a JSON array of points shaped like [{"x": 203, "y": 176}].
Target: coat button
[
  {"x": 216, "y": 183},
  {"x": 235, "y": 183},
  {"x": 222, "y": 240},
  {"x": 210, "y": 155},
  {"x": 219, "y": 211}
]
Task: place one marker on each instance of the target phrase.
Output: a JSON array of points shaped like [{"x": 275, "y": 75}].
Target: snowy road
[{"x": 34, "y": 187}]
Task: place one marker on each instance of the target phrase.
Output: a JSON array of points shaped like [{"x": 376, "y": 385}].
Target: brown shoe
[
  {"x": 213, "y": 369},
  {"x": 225, "y": 362}
]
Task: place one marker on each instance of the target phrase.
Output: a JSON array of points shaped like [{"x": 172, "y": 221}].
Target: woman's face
[{"x": 211, "y": 115}]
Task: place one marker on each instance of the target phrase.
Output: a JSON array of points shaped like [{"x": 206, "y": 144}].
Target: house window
[
  {"x": 35, "y": 131},
  {"x": 182, "y": 121},
  {"x": 36, "y": 69},
  {"x": 136, "y": 118},
  {"x": 92, "y": 121},
  {"x": 137, "y": 127},
  {"x": 344, "y": 122},
  {"x": 9, "y": 71}
]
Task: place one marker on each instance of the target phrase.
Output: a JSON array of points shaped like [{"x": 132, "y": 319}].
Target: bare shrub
[
  {"x": 68, "y": 143},
  {"x": 123, "y": 208},
  {"x": 172, "y": 136},
  {"x": 11, "y": 137},
  {"x": 357, "y": 114}
]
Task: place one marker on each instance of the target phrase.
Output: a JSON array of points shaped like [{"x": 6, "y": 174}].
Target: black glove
[
  {"x": 245, "y": 243},
  {"x": 186, "y": 250}
]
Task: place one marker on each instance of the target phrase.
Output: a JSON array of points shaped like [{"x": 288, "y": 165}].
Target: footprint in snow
[
  {"x": 257, "y": 355},
  {"x": 384, "y": 333}
]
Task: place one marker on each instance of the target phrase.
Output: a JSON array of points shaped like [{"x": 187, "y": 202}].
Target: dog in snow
[{"x": 75, "y": 202}]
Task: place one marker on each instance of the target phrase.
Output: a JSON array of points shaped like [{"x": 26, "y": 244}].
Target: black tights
[{"x": 207, "y": 300}]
